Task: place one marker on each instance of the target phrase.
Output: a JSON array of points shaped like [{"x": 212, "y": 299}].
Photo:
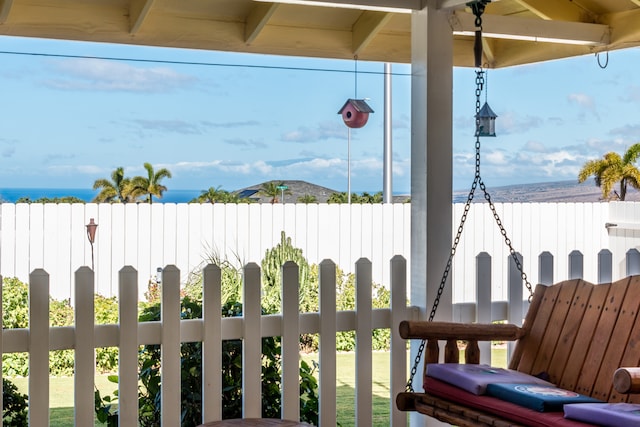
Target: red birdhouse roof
[{"x": 360, "y": 106}]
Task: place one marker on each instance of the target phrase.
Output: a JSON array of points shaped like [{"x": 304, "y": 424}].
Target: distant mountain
[
  {"x": 559, "y": 191},
  {"x": 294, "y": 190}
]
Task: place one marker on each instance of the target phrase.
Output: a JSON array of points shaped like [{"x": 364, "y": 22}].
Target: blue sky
[{"x": 69, "y": 121}]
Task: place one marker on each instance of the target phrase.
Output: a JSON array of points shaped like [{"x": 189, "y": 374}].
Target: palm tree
[
  {"x": 211, "y": 195},
  {"x": 273, "y": 189},
  {"x": 612, "y": 169},
  {"x": 307, "y": 198},
  {"x": 150, "y": 186},
  {"x": 116, "y": 190}
]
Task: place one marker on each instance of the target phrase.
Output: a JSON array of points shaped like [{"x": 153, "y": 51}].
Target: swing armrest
[
  {"x": 460, "y": 331},
  {"x": 453, "y": 333},
  {"x": 627, "y": 380}
]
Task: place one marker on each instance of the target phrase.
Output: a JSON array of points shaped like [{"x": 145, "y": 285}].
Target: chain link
[{"x": 477, "y": 181}]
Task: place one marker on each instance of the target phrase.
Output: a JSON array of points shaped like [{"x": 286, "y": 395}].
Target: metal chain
[{"x": 477, "y": 181}]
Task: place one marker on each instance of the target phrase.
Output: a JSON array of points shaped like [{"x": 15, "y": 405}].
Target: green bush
[
  {"x": 14, "y": 406},
  {"x": 191, "y": 377},
  {"x": 15, "y": 314}
]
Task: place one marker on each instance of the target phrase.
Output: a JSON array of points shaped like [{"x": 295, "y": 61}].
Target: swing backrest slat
[{"x": 579, "y": 334}]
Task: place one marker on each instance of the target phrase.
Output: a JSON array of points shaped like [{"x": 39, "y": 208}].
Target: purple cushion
[
  {"x": 605, "y": 414},
  {"x": 475, "y": 378}
]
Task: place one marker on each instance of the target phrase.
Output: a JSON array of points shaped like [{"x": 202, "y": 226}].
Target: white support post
[{"x": 431, "y": 165}]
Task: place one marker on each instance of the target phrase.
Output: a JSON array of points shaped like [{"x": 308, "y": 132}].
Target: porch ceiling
[{"x": 516, "y": 31}]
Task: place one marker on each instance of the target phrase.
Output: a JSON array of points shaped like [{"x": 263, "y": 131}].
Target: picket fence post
[
  {"x": 364, "y": 361},
  {"x": 84, "y": 367},
  {"x": 211, "y": 343},
  {"x": 252, "y": 341},
  {"x": 38, "y": 348},
  {"x": 327, "y": 350},
  {"x": 399, "y": 312},
  {"x": 633, "y": 262},
  {"x": 290, "y": 341},
  {"x": 128, "y": 343},
  {"x": 605, "y": 266},
  {"x": 170, "y": 348}
]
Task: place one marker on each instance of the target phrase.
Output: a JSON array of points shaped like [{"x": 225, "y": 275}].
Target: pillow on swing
[
  {"x": 605, "y": 414},
  {"x": 475, "y": 378},
  {"x": 542, "y": 398}
]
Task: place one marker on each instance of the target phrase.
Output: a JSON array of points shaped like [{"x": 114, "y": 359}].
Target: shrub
[
  {"x": 191, "y": 376},
  {"x": 14, "y": 406},
  {"x": 15, "y": 314}
]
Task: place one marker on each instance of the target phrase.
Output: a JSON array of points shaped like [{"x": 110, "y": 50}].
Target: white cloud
[
  {"x": 535, "y": 147},
  {"x": 496, "y": 158},
  {"x": 581, "y": 99},
  {"x": 105, "y": 75},
  {"x": 323, "y": 131}
]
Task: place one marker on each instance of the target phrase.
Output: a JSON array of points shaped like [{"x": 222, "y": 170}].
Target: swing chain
[{"x": 467, "y": 206}]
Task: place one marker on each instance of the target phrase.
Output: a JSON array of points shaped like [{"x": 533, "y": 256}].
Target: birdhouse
[
  {"x": 486, "y": 121},
  {"x": 355, "y": 113}
]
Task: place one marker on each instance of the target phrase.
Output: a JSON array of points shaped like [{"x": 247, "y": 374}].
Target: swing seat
[{"x": 578, "y": 335}]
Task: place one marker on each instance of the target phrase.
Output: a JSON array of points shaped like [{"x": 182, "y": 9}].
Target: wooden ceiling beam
[
  {"x": 257, "y": 19},
  {"x": 366, "y": 28},
  {"x": 560, "y": 10},
  {"x": 625, "y": 27},
  {"x": 138, "y": 12},
  {"x": 533, "y": 29},
  {"x": 5, "y": 8},
  {"x": 400, "y": 5},
  {"x": 452, "y": 4}
]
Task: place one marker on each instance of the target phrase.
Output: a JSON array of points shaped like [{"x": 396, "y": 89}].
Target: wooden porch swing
[{"x": 576, "y": 335}]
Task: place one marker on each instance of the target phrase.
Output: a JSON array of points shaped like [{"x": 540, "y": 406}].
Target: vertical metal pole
[
  {"x": 387, "y": 193},
  {"x": 349, "y": 165}
]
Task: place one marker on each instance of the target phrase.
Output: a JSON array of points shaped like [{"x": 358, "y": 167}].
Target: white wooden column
[{"x": 431, "y": 164}]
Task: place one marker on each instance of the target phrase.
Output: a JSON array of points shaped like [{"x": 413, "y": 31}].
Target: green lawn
[
  {"x": 61, "y": 397},
  {"x": 345, "y": 391},
  {"x": 61, "y": 390}
]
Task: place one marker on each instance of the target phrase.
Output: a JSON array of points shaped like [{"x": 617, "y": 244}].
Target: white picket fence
[
  {"x": 85, "y": 336},
  {"x": 211, "y": 330}
]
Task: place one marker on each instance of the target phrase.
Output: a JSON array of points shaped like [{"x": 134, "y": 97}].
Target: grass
[
  {"x": 61, "y": 389},
  {"x": 61, "y": 397},
  {"x": 345, "y": 388}
]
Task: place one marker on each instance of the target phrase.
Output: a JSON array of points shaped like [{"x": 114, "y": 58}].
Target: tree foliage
[
  {"x": 114, "y": 190},
  {"x": 149, "y": 186},
  {"x": 307, "y": 198},
  {"x": 614, "y": 169},
  {"x": 64, "y": 199},
  {"x": 273, "y": 189},
  {"x": 121, "y": 189},
  {"x": 356, "y": 198},
  {"x": 217, "y": 195}
]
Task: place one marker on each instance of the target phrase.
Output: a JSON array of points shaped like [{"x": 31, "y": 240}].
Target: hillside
[{"x": 559, "y": 191}]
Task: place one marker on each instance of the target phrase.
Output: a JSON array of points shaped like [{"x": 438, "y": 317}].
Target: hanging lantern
[
  {"x": 355, "y": 113},
  {"x": 486, "y": 121}
]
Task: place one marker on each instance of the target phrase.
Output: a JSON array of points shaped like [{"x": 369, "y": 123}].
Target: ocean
[{"x": 11, "y": 195}]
